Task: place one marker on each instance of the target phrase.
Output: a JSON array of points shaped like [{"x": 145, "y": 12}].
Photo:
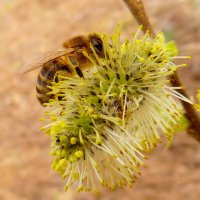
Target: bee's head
[{"x": 97, "y": 44}]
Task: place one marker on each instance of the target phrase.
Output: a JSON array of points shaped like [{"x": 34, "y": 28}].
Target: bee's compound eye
[{"x": 97, "y": 44}]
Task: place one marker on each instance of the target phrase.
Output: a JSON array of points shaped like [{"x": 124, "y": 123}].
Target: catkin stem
[{"x": 137, "y": 9}]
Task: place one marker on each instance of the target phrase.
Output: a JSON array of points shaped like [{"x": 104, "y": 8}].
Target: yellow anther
[
  {"x": 142, "y": 60},
  {"x": 147, "y": 43},
  {"x": 73, "y": 159},
  {"x": 73, "y": 140},
  {"x": 53, "y": 118},
  {"x": 75, "y": 176},
  {"x": 140, "y": 27},
  {"x": 138, "y": 41},
  {"x": 63, "y": 153},
  {"x": 64, "y": 138},
  {"x": 79, "y": 154},
  {"x": 80, "y": 188},
  {"x": 62, "y": 162},
  {"x": 63, "y": 126}
]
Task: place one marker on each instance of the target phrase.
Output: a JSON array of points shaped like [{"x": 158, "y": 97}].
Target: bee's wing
[{"x": 44, "y": 59}]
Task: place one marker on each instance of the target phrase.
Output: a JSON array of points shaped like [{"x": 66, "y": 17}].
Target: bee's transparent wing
[{"x": 44, "y": 59}]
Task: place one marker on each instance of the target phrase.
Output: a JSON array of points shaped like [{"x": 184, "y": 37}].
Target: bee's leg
[
  {"x": 76, "y": 42},
  {"x": 74, "y": 62},
  {"x": 79, "y": 72}
]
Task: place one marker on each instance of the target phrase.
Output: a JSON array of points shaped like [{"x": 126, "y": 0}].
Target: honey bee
[{"x": 68, "y": 62}]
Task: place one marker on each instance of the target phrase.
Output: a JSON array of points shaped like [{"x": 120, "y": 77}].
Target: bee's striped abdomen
[
  {"x": 45, "y": 77},
  {"x": 48, "y": 74}
]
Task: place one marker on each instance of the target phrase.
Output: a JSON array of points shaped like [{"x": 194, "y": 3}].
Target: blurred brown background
[{"x": 28, "y": 28}]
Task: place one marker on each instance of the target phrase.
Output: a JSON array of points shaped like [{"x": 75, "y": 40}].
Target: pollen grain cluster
[{"x": 103, "y": 125}]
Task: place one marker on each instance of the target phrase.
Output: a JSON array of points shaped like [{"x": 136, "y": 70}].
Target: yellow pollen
[
  {"x": 73, "y": 140},
  {"x": 73, "y": 158},
  {"x": 138, "y": 41},
  {"x": 142, "y": 60},
  {"x": 79, "y": 154},
  {"x": 75, "y": 176}
]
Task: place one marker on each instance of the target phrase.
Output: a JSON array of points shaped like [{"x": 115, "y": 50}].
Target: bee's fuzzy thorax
[{"x": 102, "y": 126}]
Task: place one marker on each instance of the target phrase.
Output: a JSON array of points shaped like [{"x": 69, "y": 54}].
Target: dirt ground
[{"x": 28, "y": 28}]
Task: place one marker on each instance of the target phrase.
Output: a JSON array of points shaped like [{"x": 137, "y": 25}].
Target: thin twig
[
  {"x": 190, "y": 113},
  {"x": 137, "y": 9}
]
